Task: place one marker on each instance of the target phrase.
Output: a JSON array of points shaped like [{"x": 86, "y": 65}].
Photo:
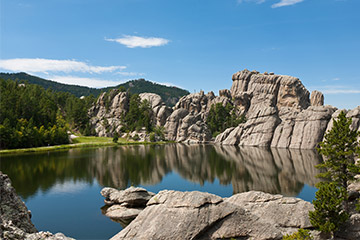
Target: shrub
[
  {"x": 301, "y": 234},
  {"x": 152, "y": 137}
]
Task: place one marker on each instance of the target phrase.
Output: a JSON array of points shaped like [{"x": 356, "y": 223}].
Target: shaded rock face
[
  {"x": 15, "y": 217},
  {"x": 15, "y": 222},
  {"x": 197, "y": 215},
  {"x": 106, "y": 113}
]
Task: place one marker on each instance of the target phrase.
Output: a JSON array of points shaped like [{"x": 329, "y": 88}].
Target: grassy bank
[{"x": 79, "y": 142}]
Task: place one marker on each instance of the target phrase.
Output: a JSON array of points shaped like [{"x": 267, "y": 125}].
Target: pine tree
[
  {"x": 329, "y": 214},
  {"x": 340, "y": 149}
]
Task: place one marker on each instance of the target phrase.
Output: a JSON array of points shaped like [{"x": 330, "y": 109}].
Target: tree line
[{"x": 31, "y": 116}]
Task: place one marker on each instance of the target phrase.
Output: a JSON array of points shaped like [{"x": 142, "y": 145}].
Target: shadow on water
[{"x": 245, "y": 168}]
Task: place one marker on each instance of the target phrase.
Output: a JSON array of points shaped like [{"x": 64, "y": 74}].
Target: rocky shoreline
[
  {"x": 280, "y": 112},
  {"x": 184, "y": 215}
]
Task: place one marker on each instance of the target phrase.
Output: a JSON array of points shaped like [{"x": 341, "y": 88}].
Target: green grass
[
  {"x": 79, "y": 142},
  {"x": 83, "y": 139}
]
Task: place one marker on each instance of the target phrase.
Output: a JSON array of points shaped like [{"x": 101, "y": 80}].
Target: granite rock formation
[
  {"x": 279, "y": 111},
  {"x": 15, "y": 218}
]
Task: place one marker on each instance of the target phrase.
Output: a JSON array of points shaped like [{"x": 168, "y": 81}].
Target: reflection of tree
[{"x": 275, "y": 170}]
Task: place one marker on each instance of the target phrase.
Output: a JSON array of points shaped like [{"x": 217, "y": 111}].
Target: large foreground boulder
[{"x": 198, "y": 215}]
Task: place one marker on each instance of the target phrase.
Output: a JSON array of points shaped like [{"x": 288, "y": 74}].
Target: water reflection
[{"x": 274, "y": 171}]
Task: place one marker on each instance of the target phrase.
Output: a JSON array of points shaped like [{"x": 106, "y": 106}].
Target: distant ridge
[{"x": 170, "y": 95}]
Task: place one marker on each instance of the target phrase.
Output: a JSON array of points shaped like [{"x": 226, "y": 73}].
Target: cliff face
[{"x": 279, "y": 111}]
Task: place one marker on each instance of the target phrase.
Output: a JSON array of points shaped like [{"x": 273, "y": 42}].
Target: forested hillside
[
  {"x": 170, "y": 95},
  {"x": 31, "y": 116},
  {"x": 78, "y": 91}
]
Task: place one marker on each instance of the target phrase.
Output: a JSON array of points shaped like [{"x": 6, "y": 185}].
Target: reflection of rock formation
[{"x": 274, "y": 171}]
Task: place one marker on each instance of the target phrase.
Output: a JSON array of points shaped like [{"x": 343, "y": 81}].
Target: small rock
[{"x": 132, "y": 196}]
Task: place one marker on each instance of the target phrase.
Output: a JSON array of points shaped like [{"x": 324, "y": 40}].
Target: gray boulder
[{"x": 132, "y": 196}]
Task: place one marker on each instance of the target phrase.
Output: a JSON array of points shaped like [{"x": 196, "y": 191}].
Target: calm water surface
[{"x": 62, "y": 188}]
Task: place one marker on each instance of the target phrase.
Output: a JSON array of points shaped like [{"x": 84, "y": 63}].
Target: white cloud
[
  {"x": 284, "y": 3},
  {"x": 36, "y": 65},
  {"x": 143, "y": 42},
  {"x": 83, "y": 81}
]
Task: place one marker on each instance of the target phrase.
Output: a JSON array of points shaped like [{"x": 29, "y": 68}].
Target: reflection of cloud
[
  {"x": 68, "y": 187},
  {"x": 143, "y": 42}
]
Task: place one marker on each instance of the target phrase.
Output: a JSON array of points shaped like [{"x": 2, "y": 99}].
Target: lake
[{"x": 62, "y": 189}]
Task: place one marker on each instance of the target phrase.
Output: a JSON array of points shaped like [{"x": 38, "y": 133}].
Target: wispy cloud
[
  {"x": 338, "y": 89},
  {"x": 255, "y": 1},
  {"x": 284, "y": 3},
  {"x": 36, "y": 65},
  {"x": 83, "y": 81},
  {"x": 136, "y": 41}
]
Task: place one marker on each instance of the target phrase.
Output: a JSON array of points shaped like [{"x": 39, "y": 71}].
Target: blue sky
[{"x": 194, "y": 44}]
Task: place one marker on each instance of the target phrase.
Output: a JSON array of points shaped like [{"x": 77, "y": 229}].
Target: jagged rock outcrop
[
  {"x": 197, "y": 215},
  {"x": 106, "y": 114},
  {"x": 15, "y": 218}
]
